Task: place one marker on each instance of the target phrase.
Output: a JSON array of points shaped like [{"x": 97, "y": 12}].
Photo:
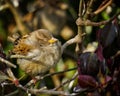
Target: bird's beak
[{"x": 52, "y": 40}]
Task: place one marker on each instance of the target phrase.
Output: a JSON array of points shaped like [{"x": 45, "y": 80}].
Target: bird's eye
[{"x": 40, "y": 45}]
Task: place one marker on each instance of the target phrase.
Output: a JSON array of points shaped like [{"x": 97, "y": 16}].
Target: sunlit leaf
[{"x": 70, "y": 64}]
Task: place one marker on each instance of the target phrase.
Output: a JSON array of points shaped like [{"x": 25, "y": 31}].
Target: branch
[
  {"x": 60, "y": 72},
  {"x": 76, "y": 39},
  {"x": 80, "y": 22},
  {"x": 11, "y": 75},
  {"x": 103, "y": 7},
  {"x": 7, "y": 62},
  {"x": 47, "y": 75},
  {"x": 90, "y": 23},
  {"x": 38, "y": 91},
  {"x": 80, "y": 8},
  {"x": 12, "y": 93},
  {"x": 69, "y": 80},
  {"x": 56, "y": 79},
  {"x": 89, "y": 10},
  {"x": 3, "y": 7}
]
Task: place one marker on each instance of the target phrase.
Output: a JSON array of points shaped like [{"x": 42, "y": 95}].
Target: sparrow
[{"x": 37, "y": 52}]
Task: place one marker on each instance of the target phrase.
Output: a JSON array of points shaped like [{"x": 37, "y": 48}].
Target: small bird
[{"x": 41, "y": 51}]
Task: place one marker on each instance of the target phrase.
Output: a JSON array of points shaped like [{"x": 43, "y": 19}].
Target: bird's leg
[
  {"x": 13, "y": 78},
  {"x": 33, "y": 81}
]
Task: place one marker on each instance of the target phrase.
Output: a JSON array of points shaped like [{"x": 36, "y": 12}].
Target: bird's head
[{"x": 45, "y": 36}]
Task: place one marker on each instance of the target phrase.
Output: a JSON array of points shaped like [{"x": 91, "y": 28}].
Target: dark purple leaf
[
  {"x": 110, "y": 50},
  {"x": 86, "y": 81},
  {"x": 109, "y": 38},
  {"x": 108, "y": 78},
  {"x": 110, "y": 63},
  {"x": 99, "y": 53},
  {"x": 88, "y": 64},
  {"x": 118, "y": 29},
  {"x": 108, "y": 34}
]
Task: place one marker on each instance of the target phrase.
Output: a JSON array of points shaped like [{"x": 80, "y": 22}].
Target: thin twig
[
  {"x": 89, "y": 10},
  {"x": 10, "y": 73},
  {"x": 103, "y": 3},
  {"x": 51, "y": 74},
  {"x": 103, "y": 7},
  {"x": 80, "y": 8},
  {"x": 7, "y": 62},
  {"x": 47, "y": 75},
  {"x": 79, "y": 22},
  {"x": 3, "y": 90},
  {"x": 55, "y": 79},
  {"x": 39, "y": 91},
  {"x": 3, "y": 7},
  {"x": 76, "y": 39},
  {"x": 76, "y": 74},
  {"x": 12, "y": 77},
  {"x": 12, "y": 93}
]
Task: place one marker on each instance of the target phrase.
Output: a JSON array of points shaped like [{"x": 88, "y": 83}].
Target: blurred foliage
[{"x": 59, "y": 17}]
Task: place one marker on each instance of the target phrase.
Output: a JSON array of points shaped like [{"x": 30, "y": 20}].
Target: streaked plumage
[{"x": 44, "y": 49}]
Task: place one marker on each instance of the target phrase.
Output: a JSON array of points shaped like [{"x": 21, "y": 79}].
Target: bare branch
[
  {"x": 80, "y": 22},
  {"x": 47, "y": 75},
  {"x": 3, "y": 7},
  {"x": 59, "y": 72},
  {"x": 80, "y": 8},
  {"x": 10, "y": 73},
  {"x": 12, "y": 93},
  {"x": 38, "y": 91},
  {"x": 55, "y": 78},
  {"x": 89, "y": 10},
  {"x": 103, "y": 7},
  {"x": 7, "y": 62},
  {"x": 76, "y": 39},
  {"x": 73, "y": 78}
]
